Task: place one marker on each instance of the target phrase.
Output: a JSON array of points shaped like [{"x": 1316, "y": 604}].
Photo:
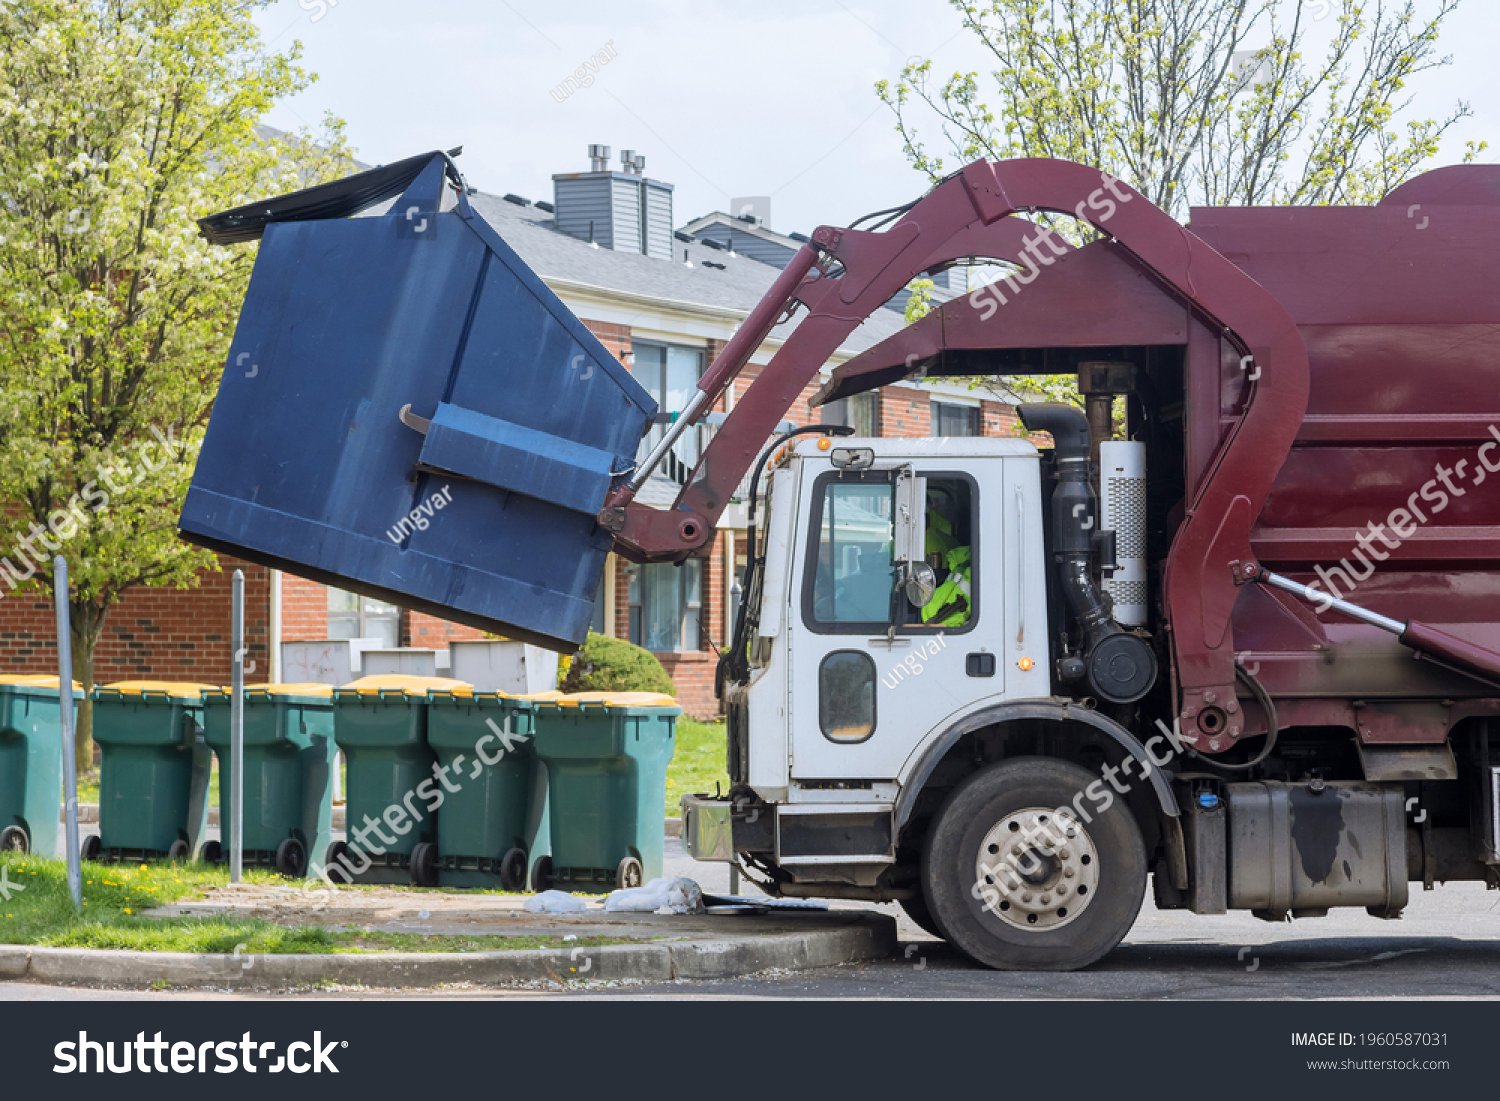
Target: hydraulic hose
[{"x": 1263, "y": 698}]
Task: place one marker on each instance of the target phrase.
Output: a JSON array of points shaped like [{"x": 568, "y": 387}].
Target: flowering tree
[{"x": 121, "y": 122}]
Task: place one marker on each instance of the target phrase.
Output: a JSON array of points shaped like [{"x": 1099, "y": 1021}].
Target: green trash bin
[
  {"x": 154, "y": 771},
  {"x": 31, "y": 763},
  {"x": 493, "y": 819},
  {"x": 290, "y": 756},
  {"x": 606, "y": 755},
  {"x": 391, "y": 784}
]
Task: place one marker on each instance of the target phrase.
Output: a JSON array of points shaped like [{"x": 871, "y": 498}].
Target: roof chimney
[{"x": 622, "y": 210}]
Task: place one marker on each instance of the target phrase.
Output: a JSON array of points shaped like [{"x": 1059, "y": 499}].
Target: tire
[
  {"x": 424, "y": 870},
  {"x": 337, "y": 863},
  {"x": 513, "y": 870},
  {"x": 212, "y": 852},
  {"x": 13, "y": 839},
  {"x": 91, "y": 848},
  {"x": 291, "y": 859},
  {"x": 178, "y": 850},
  {"x": 921, "y": 916},
  {"x": 629, "y": 873},
  {"x": 1019, "y": 908},
  {"x": 541, "y": 875}
]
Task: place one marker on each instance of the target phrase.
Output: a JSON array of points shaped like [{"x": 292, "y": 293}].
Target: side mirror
[{"x": 920, "y": 583}]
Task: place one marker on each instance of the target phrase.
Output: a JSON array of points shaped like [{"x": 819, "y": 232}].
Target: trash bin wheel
[
  {"x": 211, "y": 853},
  {"x": 291, "y": 859},
  {"x": 91, "y": 847},
  {"x": 629, "y": 874},
  {"x": 178, "y": 850},
  {"x": 13, "y": 839},
  {"x": 513, "y": 870},
  {"x": 337, "y": 862},
  {"x": 541, "y": 874},
  {"x": 424, "y": 871}
]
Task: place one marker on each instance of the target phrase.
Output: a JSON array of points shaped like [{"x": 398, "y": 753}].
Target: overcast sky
[{"x": 725, "y": 98}]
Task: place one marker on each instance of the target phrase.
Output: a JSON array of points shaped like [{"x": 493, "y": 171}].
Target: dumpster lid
[
  {"x": 613, "y": 699},
  {"x": 405, "y": 683},
  {"x": 305, "y": 690},
  {"x": 35, "y": 681},
  {"x": 176, "y": 689}
]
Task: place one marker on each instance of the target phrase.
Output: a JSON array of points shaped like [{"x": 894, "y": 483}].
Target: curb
[
  {"x": 89, "y": 812},
  {"x": 861, "y": 936}
]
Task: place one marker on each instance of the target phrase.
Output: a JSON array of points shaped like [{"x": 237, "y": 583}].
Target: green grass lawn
[
  {"x": 698, "y": 764},
  {"x": 40, "y": 912}
]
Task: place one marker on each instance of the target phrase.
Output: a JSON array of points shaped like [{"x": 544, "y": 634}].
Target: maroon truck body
[
  {"x": 1306, "y": 372},
  {"x": 1398, "y": 306}
]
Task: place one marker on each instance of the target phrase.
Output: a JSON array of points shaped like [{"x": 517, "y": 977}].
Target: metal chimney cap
[{"x": 599, "y": 151}]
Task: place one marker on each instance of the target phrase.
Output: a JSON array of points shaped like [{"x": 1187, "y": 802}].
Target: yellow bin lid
[
  {"x": 260, "y": 691},
  {"x": 615, "y": 699},
  {"x": 177, "y": 689},
  {"x": 34, "y": 680},
  {"x": 405, "y": 683}
]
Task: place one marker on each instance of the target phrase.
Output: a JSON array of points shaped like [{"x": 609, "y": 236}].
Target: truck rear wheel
[{"x": 1018, "y": 882}]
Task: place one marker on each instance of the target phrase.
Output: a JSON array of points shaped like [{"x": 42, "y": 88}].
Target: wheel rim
[{"x": 1037, "y": 869}]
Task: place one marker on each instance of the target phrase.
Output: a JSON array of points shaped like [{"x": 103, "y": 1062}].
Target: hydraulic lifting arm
[{"x": 845, "y": 274}]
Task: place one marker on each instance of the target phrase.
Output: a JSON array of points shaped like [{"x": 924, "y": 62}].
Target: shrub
[{"x": 614, "y": 665}]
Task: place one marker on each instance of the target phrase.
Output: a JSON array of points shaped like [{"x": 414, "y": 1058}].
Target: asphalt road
[{"x": 1447, "y": 946}]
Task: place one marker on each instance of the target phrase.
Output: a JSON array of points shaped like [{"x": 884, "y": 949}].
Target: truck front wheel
[{"x": 1020, "y": 881}]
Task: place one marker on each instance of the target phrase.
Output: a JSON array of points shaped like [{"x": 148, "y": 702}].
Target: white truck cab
[{"x": 852, "y": 674}]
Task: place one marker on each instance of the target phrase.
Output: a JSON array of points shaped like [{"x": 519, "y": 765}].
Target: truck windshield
[{"x": 855, "y": 573}]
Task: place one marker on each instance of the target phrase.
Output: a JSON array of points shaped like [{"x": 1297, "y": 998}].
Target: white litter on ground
[
  {"x": 675, "y": 896},
  {"x": 554, "y": 902}
]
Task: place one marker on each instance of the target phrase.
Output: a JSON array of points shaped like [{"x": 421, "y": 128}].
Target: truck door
[{"x": 871, "y": 671}]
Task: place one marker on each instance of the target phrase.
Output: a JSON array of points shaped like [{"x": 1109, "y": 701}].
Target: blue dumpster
[
  {"x": 409, "y": 413},
  {"x": 31, "y": 763}
]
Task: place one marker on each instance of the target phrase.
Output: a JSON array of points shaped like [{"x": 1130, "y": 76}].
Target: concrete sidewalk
[{"x": 665, "y": 948}]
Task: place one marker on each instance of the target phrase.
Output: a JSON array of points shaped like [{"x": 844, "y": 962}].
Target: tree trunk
[{"x": 86, "y": 624}]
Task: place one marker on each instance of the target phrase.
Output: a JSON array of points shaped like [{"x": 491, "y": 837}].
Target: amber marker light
[{"x": 1025, "y": 664}]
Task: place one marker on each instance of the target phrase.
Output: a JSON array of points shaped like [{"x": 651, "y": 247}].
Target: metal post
[
  {"x": 65, "y": 709},
  {"x": 237, "y": 732}
]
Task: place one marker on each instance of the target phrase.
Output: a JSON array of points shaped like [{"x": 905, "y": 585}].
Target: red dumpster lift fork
[{"x": 844, "y": 275}]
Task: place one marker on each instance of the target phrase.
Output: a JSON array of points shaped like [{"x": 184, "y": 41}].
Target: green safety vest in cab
[{"x": 949, "y": 606}]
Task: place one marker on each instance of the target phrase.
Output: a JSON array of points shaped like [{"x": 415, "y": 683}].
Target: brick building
[{"x": 664, "y": 302}]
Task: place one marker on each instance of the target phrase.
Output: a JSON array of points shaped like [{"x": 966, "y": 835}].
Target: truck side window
[
  {"x": 854, "y": 572},
  {"x": 950, "y": 551}
]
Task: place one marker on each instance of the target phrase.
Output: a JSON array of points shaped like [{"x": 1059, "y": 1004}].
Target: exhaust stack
[{"x": 1118, "y": 667}]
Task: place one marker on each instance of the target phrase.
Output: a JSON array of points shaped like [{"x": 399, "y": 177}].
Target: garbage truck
[{"x": 1229, "y": 625}]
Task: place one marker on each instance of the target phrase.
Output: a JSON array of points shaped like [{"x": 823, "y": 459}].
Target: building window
[
  {"x": 666, "y": 605},
  {"x": 353, "y": 616},
  {"x": 949, "y": 419},
  {"x": 670, "y": 374},
  {"x": 860, "y": 412}
]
